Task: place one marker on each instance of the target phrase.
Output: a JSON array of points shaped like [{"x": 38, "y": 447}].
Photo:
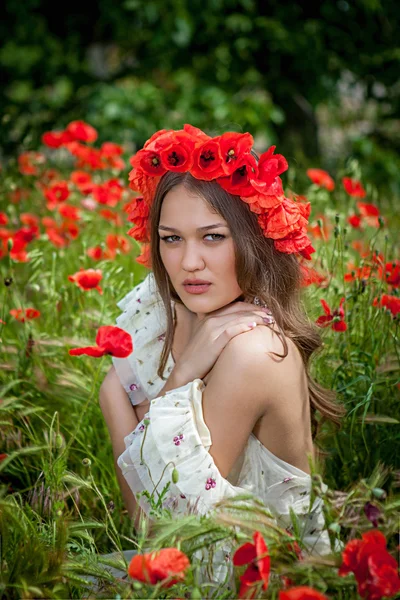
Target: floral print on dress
[{"x": 178, "y": 439}]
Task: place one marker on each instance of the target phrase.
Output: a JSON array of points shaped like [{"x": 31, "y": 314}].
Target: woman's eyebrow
[{"x": 198, "y": 229}]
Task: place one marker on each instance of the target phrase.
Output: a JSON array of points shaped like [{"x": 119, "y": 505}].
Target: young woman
[{"x": 217, "y": 386}]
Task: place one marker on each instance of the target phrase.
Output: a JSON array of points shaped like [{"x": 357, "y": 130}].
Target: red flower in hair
[
  {"x": 139, "y": 215},
  {"x": 335, "y": 318},
  {"x": 297, "y": 241},
  {"x": 207, "y": 161},
  {"x": 196, "y": 132},
  {"x": 26, "y": 314},
  {"x": 301, "y": 592},
  {"x": 353, "y": 187},
  {"x": 392, "y": 303},
  {"x": 322, "y": 178},
  {"x": 149, "y": 162},
  {"x": 167, "y": 563},
  {"x": 239, "y": 183},
  {"x": 256, "y": 555},
  {"x": 233, "y": 146},
  {"x": 270, "y": 166},
  {"x": 176, "y": 151},
  {"x": 110, "y": 340},
  {"x": 286, "y": 218},
  {"x": 81, "y": 131},
  {"x": 87, "y": 279}
]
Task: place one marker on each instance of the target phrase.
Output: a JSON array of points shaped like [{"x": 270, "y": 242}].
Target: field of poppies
[{"x": 66, "y": 258}]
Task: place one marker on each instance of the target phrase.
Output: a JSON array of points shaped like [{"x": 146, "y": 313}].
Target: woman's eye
[{"x": 168, "y": 238}]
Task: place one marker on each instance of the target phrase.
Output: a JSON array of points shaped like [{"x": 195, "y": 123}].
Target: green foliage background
[{"x": 320, "y": 80}]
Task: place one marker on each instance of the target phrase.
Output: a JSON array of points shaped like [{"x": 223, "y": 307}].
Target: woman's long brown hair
[{"x": 261, "y": 271}]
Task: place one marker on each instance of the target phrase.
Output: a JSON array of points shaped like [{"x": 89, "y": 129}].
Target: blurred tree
[{"x": 132, "y": 66}]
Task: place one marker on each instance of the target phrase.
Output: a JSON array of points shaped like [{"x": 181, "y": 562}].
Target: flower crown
[{"x": 226, "y": 159}]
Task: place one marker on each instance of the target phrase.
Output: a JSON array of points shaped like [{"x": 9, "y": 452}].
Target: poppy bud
[
  {"x": 146, "y": 421},
  {"x": 59, "y": 441},
  {"x": 86, "y": 462},
  {"x": 336, "y": 231},
  {"x": 8, "y": 281},
  {"x": 10, "y": 244},
  {"x": 175, "y": 476},
  {"x": 337, "y": 218},
  {"x": 381, "y": 221}
]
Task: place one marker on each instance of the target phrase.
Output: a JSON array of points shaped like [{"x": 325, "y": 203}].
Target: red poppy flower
[
  {"x": 81, "y": 131},
  {"x": 310, "y": 276},
  {"x": 207, "y": 161},
  {"x": 270, "y": 166},
  {"x": 29, "y": 219},
  {"x": 358, "y": 273},
  {"x": 354, "y": 221},
  {"x": 301, "y": 593},
  {"x": 392, "y": 303},
  {"x": 82, "y": 180},
  {"x": 257, "y": 557},
  {"x": 96, "y": 252},
  {"x": 110, "y": 340},
  {"x": 335, "y": 318},
  {"x": 87, "y": 279},
  {"x": 116, "y": 242},
  {"x": 3, "y": 218},
  {"x": 233, "y": 146},
  {"x": 57, "y": 192},
  {"x": 176, "y": 151},
  {"x": 287, "y": 217},
  {"x": 238, "y": 183},
  {"x": 166, "y": 564},
  {"x": 149, "y": 162},
  {"x": 26, "y": 314},
  {"x": 55, "y": 139},
  {"x": 353, "y": 187},
  {"x": 3, "y": 456},
  {"x": 321, "y": 178},
  {"x": 297, "y": 241},
  {"x": 109, "y": 192},
  {"x": 375, "y": 570},
  {"x": 69, "y": 212},
  {"x": 391, "y": 273}
]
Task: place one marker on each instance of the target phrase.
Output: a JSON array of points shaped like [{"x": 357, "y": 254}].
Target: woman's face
[{"x": 191, "y": 254}]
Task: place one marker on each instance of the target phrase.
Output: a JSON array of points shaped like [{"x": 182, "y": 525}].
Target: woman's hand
[{"x": 213, "y": 333}]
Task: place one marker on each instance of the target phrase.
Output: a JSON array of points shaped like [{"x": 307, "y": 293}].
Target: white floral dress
[{"x": 175, "y": 435}]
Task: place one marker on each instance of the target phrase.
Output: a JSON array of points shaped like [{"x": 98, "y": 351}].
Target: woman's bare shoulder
[{"x": 260, "y": 353}]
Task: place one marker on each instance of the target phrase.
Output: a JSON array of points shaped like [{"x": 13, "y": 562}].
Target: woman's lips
[{"x": 199, "y": 288}]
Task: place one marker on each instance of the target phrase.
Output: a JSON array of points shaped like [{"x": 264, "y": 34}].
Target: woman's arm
[{"x": 121, "y": 420}]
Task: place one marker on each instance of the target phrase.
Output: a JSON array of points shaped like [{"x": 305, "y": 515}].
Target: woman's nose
[{"x": 192, "y": 258}]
